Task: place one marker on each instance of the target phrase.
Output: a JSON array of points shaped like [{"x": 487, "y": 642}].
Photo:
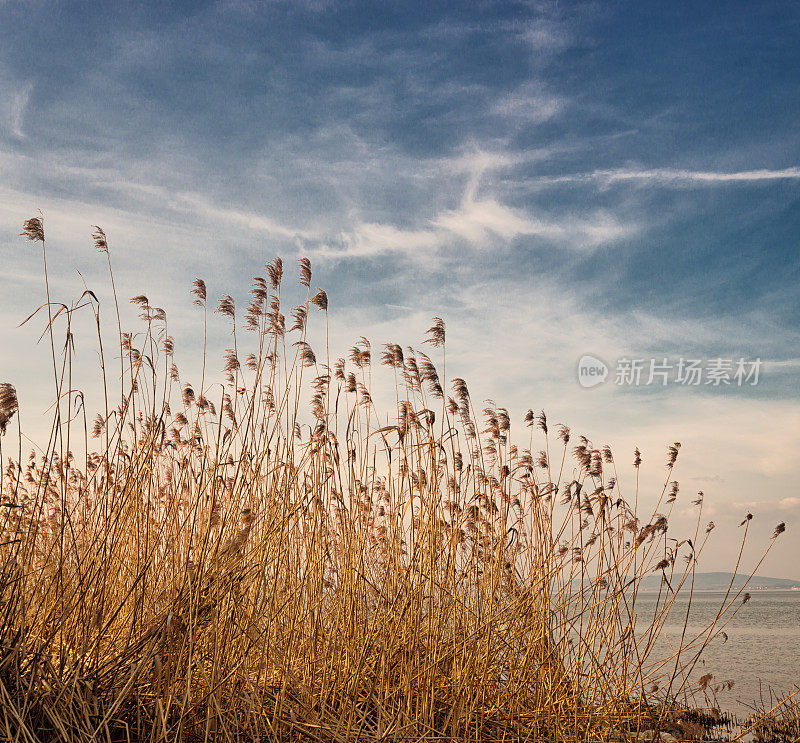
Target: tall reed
[{"x": 264, "y": 559}]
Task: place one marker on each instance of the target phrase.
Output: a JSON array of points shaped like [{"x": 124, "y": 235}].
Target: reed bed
[{"x": 263, "y": 554}]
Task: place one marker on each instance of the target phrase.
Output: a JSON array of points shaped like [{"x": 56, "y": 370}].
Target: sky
[{"x": 618, "y": 180}]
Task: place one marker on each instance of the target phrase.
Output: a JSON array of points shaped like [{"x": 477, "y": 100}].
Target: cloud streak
[
  {"x": 481, "y": 224},
  {"x": 14, "y": 101},
  {"x": 669, "y": 176}
]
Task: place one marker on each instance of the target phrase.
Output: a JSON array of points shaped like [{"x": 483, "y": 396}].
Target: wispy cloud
[
  {"x": 14, "y": 99},
  {"x": 252, "y": 220},
  {"x": 481, "y": 220},
  {"x": 669, "y": 176},
  {"x": 479, "y": 223},
  {"x": 478, "y": 219},
  {"x": 529, "y": 103},
  {"x": 782, "y": 364}
]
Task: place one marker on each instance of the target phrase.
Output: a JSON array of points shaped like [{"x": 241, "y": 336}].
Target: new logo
[{"x": 591, "y": 371}]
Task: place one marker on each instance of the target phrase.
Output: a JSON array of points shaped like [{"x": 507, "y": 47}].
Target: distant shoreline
[{"x": 749, "y": 589}]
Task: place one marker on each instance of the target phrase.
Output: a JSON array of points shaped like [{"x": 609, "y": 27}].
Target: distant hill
[{"x": 721, "y": 581}]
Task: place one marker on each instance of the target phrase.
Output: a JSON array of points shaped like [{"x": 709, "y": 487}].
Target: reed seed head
[
  {"x": 8, "y": 404},
  {"x": 33, "y": 229},
  {"x": 99, "y": 239}
]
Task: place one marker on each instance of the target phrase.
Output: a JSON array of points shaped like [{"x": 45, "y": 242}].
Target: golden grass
[{"x": 232, "y": 562}]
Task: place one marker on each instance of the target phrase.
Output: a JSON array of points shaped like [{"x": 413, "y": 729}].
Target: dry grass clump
[
  {"x": 237, "y": 562},
  {"x": 774, "y": 719}
]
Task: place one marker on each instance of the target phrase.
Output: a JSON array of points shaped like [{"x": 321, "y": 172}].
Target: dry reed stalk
[{"x": 282, "y": 570}]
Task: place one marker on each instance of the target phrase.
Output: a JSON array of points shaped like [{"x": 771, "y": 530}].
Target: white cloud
[
  {"x": 146, "y": 200},
  {"x": 205, "y": 207},
  {"x": 478, "y": 161},
  {"x": 479, "y": 220},
  {"x": 475, "y": 220},
  {"x": 666, "y": 174},
  {"x": 782, "y": 364},
  {"x": 528, "y": 103},
  {"x": 675, "y": 176},
  {"x": 373, "y": 239},
  {"x": 14, "y": 101},
  {"x": 481, "y": 223}
]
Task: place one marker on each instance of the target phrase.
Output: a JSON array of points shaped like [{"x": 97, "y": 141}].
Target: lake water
[{"x": 762, "y": 652}]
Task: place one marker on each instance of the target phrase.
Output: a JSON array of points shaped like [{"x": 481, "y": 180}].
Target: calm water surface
[{"x": 762, "y": 651}]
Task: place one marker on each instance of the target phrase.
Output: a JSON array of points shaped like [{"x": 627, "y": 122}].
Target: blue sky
[{"x": 554, "y": 179}]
